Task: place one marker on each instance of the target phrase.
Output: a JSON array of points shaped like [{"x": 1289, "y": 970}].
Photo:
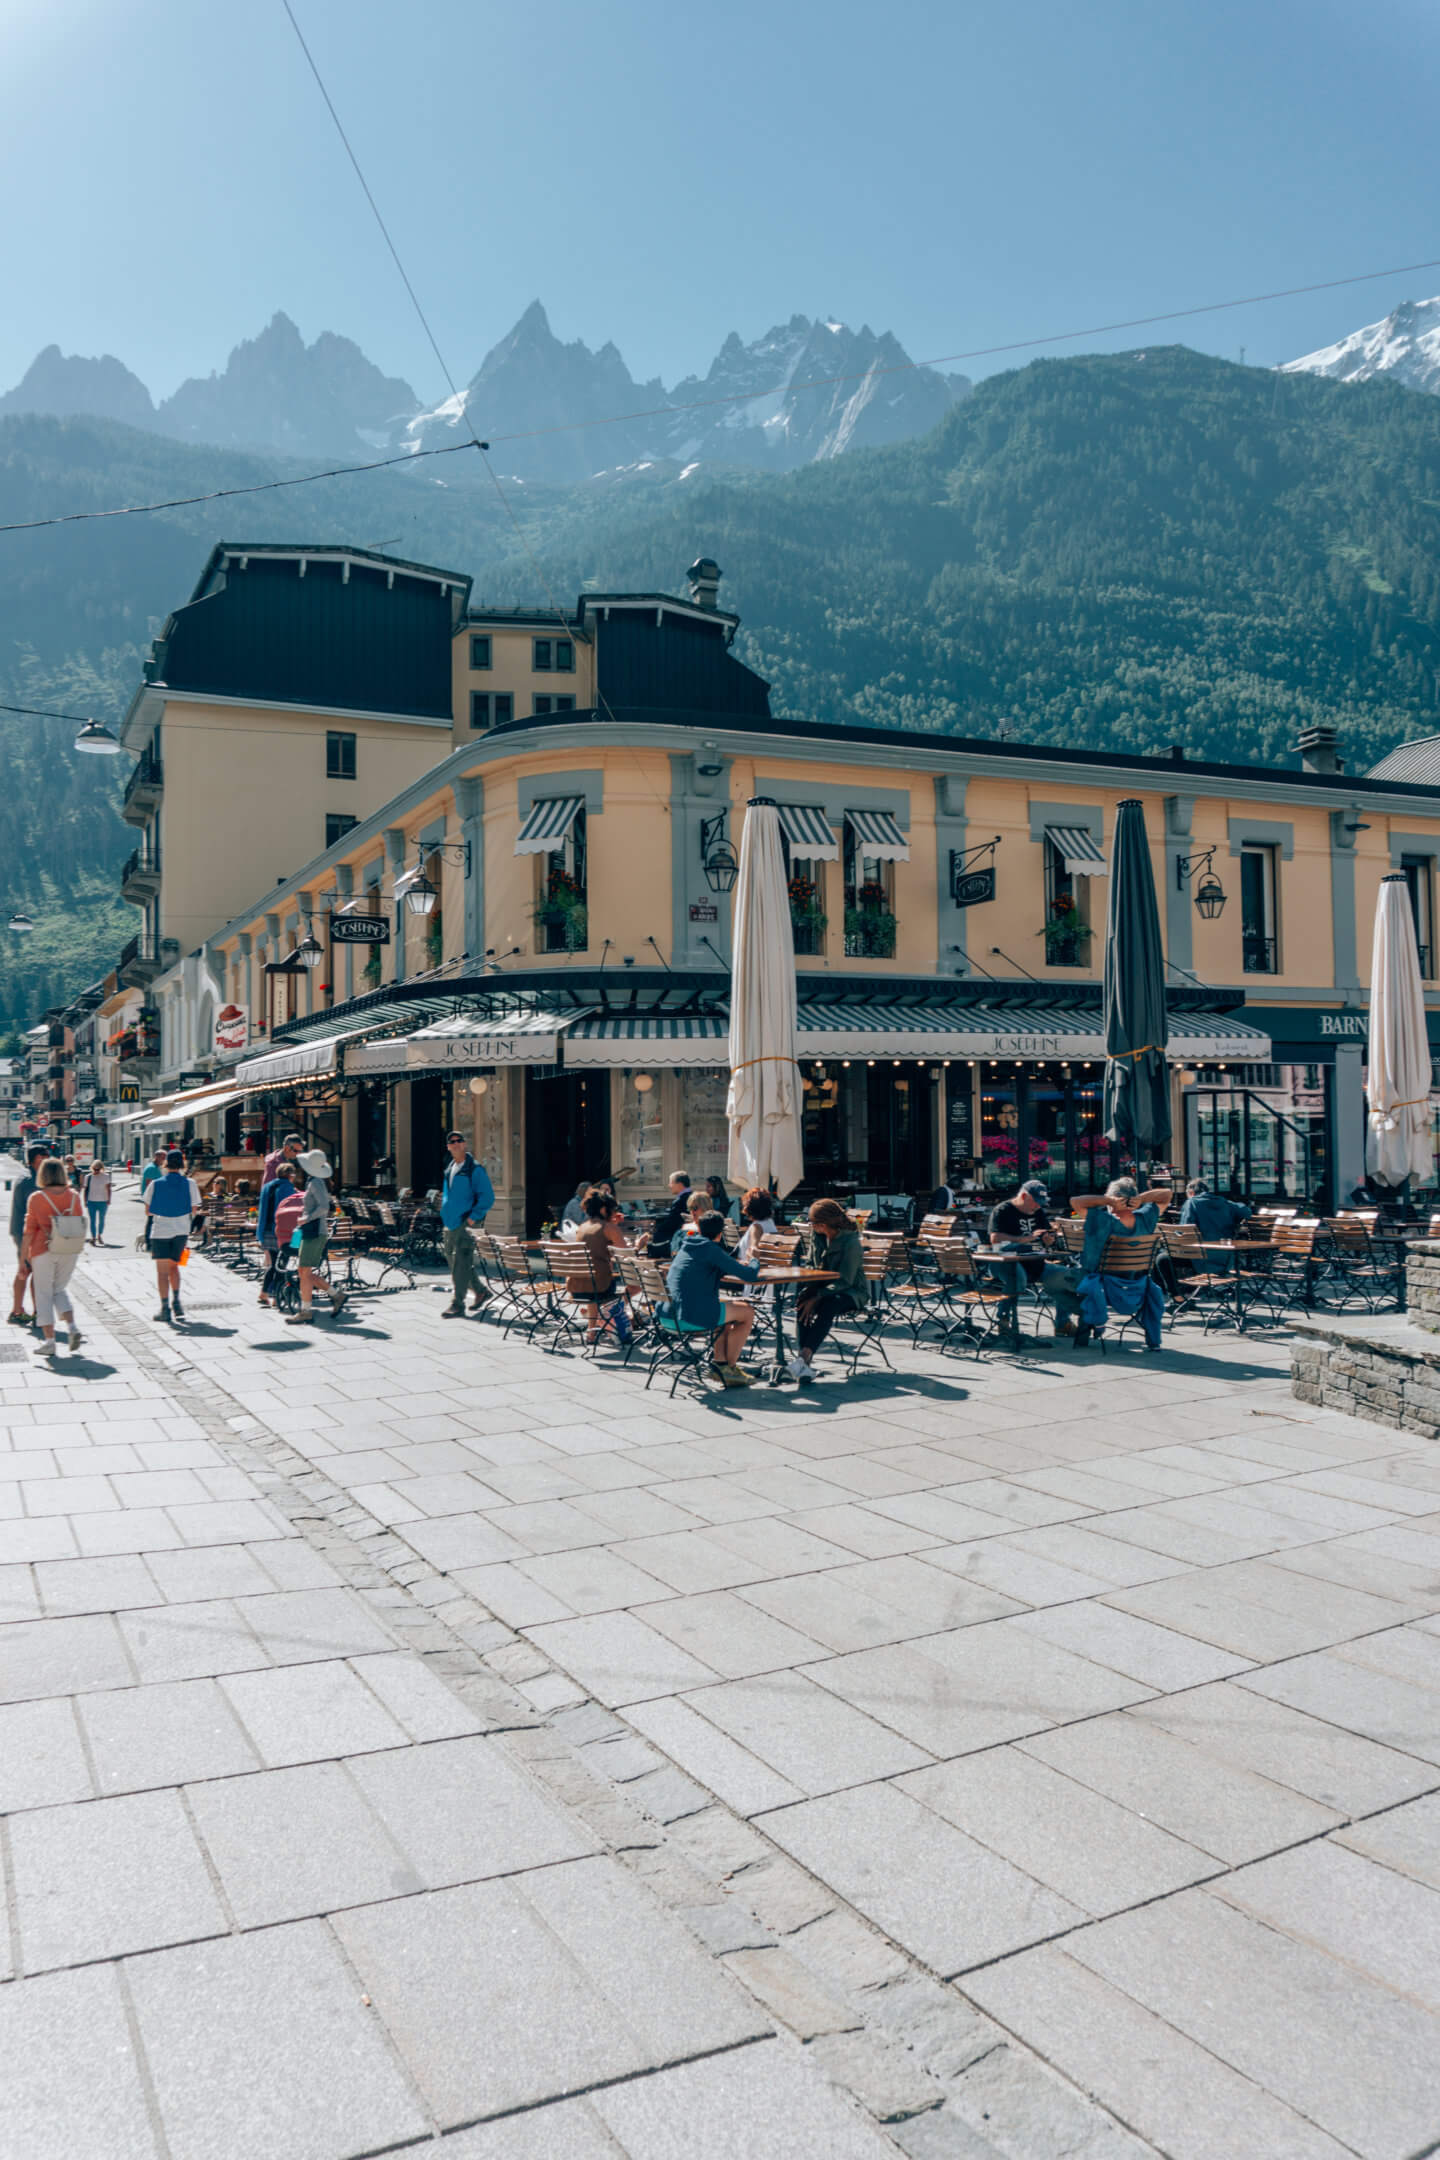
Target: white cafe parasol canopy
[
  {"x": 765, "y": 1098},
  {"x": 1398, "y": 1142}
]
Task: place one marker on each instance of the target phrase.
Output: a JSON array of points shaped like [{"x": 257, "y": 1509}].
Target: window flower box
[{"x": 808, "y": 920}]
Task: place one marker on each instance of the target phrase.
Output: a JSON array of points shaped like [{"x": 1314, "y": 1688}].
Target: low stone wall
[
  {"x": 1383, "y": 1367},
  {"x": 1422, "y": 1285}
]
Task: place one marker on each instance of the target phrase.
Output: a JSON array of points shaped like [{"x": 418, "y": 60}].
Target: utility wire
[
  {"x": 734, "y": 397},
  {"x": 259, "y": 487}
]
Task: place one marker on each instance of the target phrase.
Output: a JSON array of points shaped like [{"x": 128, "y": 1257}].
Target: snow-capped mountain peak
[{"x": 1404, "y": 347}]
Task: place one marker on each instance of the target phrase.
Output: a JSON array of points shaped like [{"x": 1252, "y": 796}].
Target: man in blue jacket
[{"x": 468, "y": 1198}]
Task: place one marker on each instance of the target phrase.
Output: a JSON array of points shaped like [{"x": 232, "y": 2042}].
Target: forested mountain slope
[{"x": 1116, "y": 551}]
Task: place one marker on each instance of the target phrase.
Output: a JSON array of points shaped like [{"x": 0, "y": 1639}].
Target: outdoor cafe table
[
  {"x": 781, "y": 1279},
  {"x": 1237, "y": 1246}
]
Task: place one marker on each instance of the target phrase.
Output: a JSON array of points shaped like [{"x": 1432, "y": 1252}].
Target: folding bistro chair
[
  {"x": 1126, "y": 1257},
  {"x": 1288, "y": 1281},
  {"x": 883, "y": 1255},
  {"x": 687, "y": 1348},
  {"x": 1195, "y": 1285},
  {"x": 973, "y": 1303}
]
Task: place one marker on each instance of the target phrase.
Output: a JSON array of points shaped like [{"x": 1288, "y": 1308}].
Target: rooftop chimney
[
  {"x": 1318, "y": 750},
  {"x": 704, "y": 577}
]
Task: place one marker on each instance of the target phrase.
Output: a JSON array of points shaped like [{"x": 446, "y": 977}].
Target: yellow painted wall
[
  {"x": 512, "y": 669},
  {"x": 246, "y": 799},
  {"x": 629, "y": 857}
]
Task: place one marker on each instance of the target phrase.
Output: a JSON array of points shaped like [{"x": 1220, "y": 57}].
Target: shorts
[
  {"x": 312, "y": 1250},
  {"x": 167, "y": 1248}
]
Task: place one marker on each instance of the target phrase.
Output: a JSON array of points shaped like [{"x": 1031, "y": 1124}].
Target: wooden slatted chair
[
  {"x": 973, "y": 1302},
  {"x": 1127, "y": 1258},
  {"x": 1195, "y": 1282}
]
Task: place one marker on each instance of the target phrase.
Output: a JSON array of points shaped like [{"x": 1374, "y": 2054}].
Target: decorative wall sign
[
  {"x": 360, "y": 930},
  {"x": 968, "y": 888},
  {"x": 704, "y": 911}
]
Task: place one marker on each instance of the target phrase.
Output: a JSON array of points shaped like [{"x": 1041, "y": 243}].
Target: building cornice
[{"x": 146, "y": 714}]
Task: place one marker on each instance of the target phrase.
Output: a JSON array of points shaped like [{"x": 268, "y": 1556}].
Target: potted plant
[
  {"x": 808, "y": 920},
  {"x": 434, "y": 941},
  {"x": 370, "y": 974},
  {"x": 1066, "y": 936},
  {"x": 869, "y": 923}
]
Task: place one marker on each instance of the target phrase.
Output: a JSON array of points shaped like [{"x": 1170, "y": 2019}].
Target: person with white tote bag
[{"x": 54, "y": 1241}]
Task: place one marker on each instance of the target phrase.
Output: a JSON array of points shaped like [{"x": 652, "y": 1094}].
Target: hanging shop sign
[
  {"x": 359, "y": 930},
  {"x": 129, "y": 1091},
  {"x": 232, "y": 1027},
  {"x": 968, "y": 888}
]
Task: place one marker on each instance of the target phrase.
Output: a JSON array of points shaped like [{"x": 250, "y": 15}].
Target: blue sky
[{"x": 661, "y": 174}]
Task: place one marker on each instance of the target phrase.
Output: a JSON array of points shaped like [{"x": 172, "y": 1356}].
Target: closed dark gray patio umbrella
[{"x": 1137, "y": 1079}]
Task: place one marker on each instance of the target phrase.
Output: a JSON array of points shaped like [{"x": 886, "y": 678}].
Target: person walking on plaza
[
  {"x": 267, "y": 1230},
  {"x": 694, "y": 1286},
  {"x": 153, "y": 1170},
  {"x": 96, "y": 1194},
  {"x": 835, "y": 1245},
  {"x": 54, "y": 1240},
  {"x": 314, "y": 1237},
  {"x": 467, "y": 1198},
  {"x": 173, "y": 1202},
  {"x": 289, "y": 1148},
  {"x": 19, "y": 1201}
]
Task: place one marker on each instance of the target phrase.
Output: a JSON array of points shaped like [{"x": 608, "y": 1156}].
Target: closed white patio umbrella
[
  {"x": 764, "y": 1102},
  {"x": 1398, "y": 1142}
]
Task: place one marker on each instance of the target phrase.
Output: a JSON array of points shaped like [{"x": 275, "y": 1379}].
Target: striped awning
[
  {"x": 1078, "y": 850},
  {"x": 462, "y": 1042},
  {"x": 878, "y": 835},
  {"x": 547, "y": 824},
  {"x": 612, "y": 1039},
  {"x": 809, "y": 832},
  {"x": 302, "y": 1061}
]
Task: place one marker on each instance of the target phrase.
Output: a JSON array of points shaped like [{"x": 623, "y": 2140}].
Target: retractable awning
[
  {"x": 1078, "y": 850},
  {"x": 194, "y": 1104},
  {"x": 548, "y": 823},
  {"x": 303, "y": 1061},
  {"x": 864, "y": 1028},
  {"x": 878, "y": 835},
  {"x": 463, "y": 1041},
  {"x": 648, "y": 1039},
  {"x": 809, "y": 832}
]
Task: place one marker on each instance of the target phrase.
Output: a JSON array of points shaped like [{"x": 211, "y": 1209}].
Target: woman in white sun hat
[{"x": 314, "y": 1236}]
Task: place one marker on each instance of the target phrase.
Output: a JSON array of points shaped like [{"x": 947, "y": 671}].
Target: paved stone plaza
[{"x": 406, "y": 1736}]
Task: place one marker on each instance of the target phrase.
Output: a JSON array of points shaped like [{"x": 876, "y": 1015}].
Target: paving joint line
[{"x": 895, "y": 2084}]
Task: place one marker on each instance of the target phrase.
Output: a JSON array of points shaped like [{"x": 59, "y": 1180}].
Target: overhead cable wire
[{"x": 729, "y": 397}]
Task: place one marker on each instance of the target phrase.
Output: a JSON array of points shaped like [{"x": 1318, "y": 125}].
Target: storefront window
[
  {"x": 1092, "y": 1149},
  {"x": 1000, "y": 1135},
  {"x": 706, "y": 1146},
  {"x": 642, "y": 1133},
  {"x": 824, "y": 1150},
  {"x": 1263, "y": 1144}
]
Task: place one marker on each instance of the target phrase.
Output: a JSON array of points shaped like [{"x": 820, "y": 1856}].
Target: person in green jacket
[{"x": 833, "y": 1243}]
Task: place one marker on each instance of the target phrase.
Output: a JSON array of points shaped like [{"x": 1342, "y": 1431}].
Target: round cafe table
[{"x": 781, "y": 1279}]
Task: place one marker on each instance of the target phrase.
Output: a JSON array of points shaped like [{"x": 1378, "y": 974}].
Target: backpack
[{"x": 67, "y": 1231}]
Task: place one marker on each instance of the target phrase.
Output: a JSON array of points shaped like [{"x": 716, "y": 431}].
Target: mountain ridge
[
  {"x": 562, "y": 411},
  {"x": 1404, "y": 347}
]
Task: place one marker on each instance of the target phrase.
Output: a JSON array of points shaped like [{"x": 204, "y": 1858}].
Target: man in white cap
[{"x": 314, "y": 1236}]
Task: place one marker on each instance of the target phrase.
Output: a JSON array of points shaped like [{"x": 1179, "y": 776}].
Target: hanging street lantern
[
  {"x": 97, "y": 739},
  {"x": 1210, "y": 897}
]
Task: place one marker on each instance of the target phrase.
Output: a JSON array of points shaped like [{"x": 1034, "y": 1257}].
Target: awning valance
[
  {"x": 878, "y": 835},
  {"x": 1078, "y": 850},
  {"x": 302, "y": 1061},
  {"x": 864, "y": 1028},
  {"x": 809, "y": 832},
  {"x": 461, "y": 1042},
  {"x": 548, "y": 823}
]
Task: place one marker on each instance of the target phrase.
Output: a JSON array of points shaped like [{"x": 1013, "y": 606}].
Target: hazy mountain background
[{"x": 1114, "y": 551}]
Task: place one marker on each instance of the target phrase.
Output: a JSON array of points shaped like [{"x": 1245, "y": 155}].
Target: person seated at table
[
  {"x": 602, "y": 1230},
  {"x": 719, "y": 1198},
  {"x": 208, "y": 1219},
  {"x": 1127, "y": 1213},
  {"x": 573, "y": 1211},
  {"x": 834, "y": 1244},
  {"x": 694, "y": 1282},
  {"x": 1017, "y": 1222},
  {"x": 696, "y": 1205},
  {"x": 943, "y": 1201},
  {"x": 673, "y": 1218},
  {"x": 1214, "y": 1217},
  {"x": 1211, "y": 1213},
  {"x": 757, "y": 1216}
]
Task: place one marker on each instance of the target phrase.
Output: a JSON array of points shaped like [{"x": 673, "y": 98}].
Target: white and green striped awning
[
  {"x": 809, "y": 832},
  {"x": 878, "y": 836},
  {"x": 548, "y": 823},
  {"x": 1078, "y": 849}
]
